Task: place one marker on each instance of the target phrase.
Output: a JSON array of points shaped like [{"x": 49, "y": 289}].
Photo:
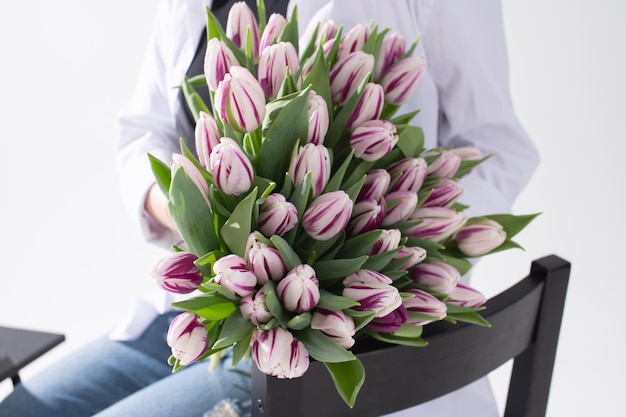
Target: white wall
[{"x": 67, "y": 255}]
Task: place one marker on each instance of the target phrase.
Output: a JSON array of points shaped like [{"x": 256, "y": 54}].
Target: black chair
[{"x": 525, "y": 321}]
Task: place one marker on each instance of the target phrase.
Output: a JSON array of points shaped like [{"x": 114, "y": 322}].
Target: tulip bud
[
  {"x": 348, "y": 73},
  {"x": 275, "y": 25},
  {"x": 207, "y": 137},
  {"x": 232, "y": 273},
  {"x": 277, "y": 353},
  {"x": 318, "y": 118},
  {"x": 373, "y": 291},
  {"x": 446, "y": 165},
  {"x": 391, "y": 322},
  {"x": 314, "y": 159},
  {"x": 231, "y": 168},
  {"x": 389, "y": 240},
  {"x": 425, "y": 304},
  {"x": 182, "y": 162},
  {"x": 400, "y": 205},
  {"x": 366, "y": 215},
  {"x": 254, "y": 308},
  {"x": 412, "y": 254},
  {"x": 480, "y": 238},
  {"x": 403, "y": 79},
  {"x": 275, "y": 62},
  {"x": 466, "y": 296},
  {"x": 336, "y": 325},
  {"x": 468, "y": 153},
  {"x": 375, "y": 185},
  {"x": 373, "y": 140},
  {"x": 177, "y": 273},
  {"x": 240, "y": 19},
  {"x": 326, "y": 30},
  {"x": 218, "y": 60},
  {"x": 438, "y": 276},
  {"x": 369, "y": 107},
  {"x": 188, "y": 338},
  {"x": 437, "y": 223},
  {"x": 264, "y": 260},
  {"x": 277, "y": 216},
  {"x": 445, "y": 193},
  {"x": 408, "y": 174},
  {"x": 391, "y": 50},
  {"x": 328, "y": 215},
  {"x": 354, "y": 40},
  {"x": 240, "y": 100},
  {"x": 299, "y": 290}
]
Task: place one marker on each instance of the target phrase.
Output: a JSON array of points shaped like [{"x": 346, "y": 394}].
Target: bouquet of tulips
[{"x": 310, "y": 213}]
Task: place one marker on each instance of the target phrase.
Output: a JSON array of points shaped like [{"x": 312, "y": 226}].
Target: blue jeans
[{"x": 128, "y": 379}]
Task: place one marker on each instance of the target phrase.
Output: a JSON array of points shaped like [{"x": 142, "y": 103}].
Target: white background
[{"x": 70, "y": 262}]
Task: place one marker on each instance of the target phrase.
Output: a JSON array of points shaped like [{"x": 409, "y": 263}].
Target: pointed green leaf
[
  {"x": 333, "y": 302},
  {"x": 348, "y": 378},
  {"x": 235, "y": 328},
  {"x": 359, "y": 245},
  {"x": 162, "y": 173},
  {"x": 513, "y": 224},
  {"x": 338, "y": 268},
  {"x": 210, "y": 306},
  {"x": 205, "y": 262},
  {"x": 300, "y": 321},
  {"x": 321, "y": 347},
  {"x": 379, "y": 261},
  {"x": 241, "y": 348},
  {"x": 238, "y": 227},
  {"x": 411, "y": 141},
  {"x": 274, "y": 305},
  {"x": 193, "y": 99},
  {"x": 289, "y": 256}
]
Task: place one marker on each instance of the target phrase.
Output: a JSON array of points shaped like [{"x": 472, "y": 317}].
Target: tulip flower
[
  {"x": 424, "y": 303},
  {"x": 375, "y": 185},
  {"x": 437, "y": 223},
  {"x": 336, "y": 325},
  {"x": 391, "y": 322},
  {"x": 231, "y": 272},
  {"x": 480, "y": 238},
  {"x": 231, "y": 168},
  {"x": 328, "y": 215},
  {"x": 444, "y": 194},
  {"x": 466, "y": 296},
  {"x": 366, "y": 215},
  {"x": 188, "y": 338},
  {"x": 299, "y": 290},
  {"x": 275, "y": 25},
  {"x": 177, "y": 273},
  {"x": 240, "y": 100},
  {"x": 264, "y": 260},
  {"x": 241, "y": 19},
  {"x": 318, "y": 118},
  {"x": 369, "y": 107},
  {"x": 354, "y": 40},
  {"x": 276, "y": 352},
  {"x": 207, "y": 137},
  {"x": 182, "y": 162},
  {"x": 277, "y": 216},
  {"x": 218, "y": 60},
  {"x": 408, "y": 174},
  {"x": 400, "y": 205},
  {"x": 389, "y": 240},
  {"x": 274, "y": 64},
  {"x": 403, "y": 79},
  {"x": 326, "y": 30},
  {"x": 446, "y": 165},
  {"x": 314, "y": 159},
  {"x": 348, "y": 73},
  {"x": 412, "y": 255},
  {"x": 438, "y": 276},
  {"x": 373, "y": 291},
  {"x": 254, "y": 308},
  {"x": 391, "y": 50},
  {"x": 373, "y": 139},
  {"x": 467, "y": 153}
]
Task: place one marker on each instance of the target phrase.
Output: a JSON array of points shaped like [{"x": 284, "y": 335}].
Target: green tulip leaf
[
  {"x": 241, "y": 348},
  {"x": 318, "y": 79},
  {"x": 338, "y": 268},
  {"x": 300, "y": 321},
  {"x": 288, "y": 255},
  {"x": 333, "y": 302},
  {"x": 513, "y": 224},
  {"x": 238, "y": 227},
  {"x": 321, "y": 347},
  {"x": 348, "y": 378},
  {"x": 397, "y": 340},
  {"x": 411, "y": 141},
  {"x": 162, "y": 173},
  {"x": 379, "y": 261},
  {"x": 210, "y": 306},
  {"x": 274, "y": 305},
  {"x": 359, "y": 245},
  {"x": 235, "y": 328}
]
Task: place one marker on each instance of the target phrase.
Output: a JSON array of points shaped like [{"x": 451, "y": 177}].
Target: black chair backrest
[{"x": 525, "y": 322}]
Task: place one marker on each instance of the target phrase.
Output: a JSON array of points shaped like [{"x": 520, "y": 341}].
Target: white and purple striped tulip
[
  {"x": 408, "y": 174},
  {"x": 373, "y": 291},
  {"x": 177, "y": 273},
  {"x": 400, "y": 206},
  {"x": 277, "y": 216},
  {"x": 347, "y": 75},
  {"x": 437, "y": 223},
  {"x": 426, "y": 304},
  {"x": 314, "y": 159},
  {"x": 336, "y": 325},
  {"x": 444, "y": 194},
  {"x": 367, "y": 215},
  {"x": 326, "y": 30},
  {"x": 264, "y": 260},
  {"x": 299, "y": 290},
  {"x": 240, "y": 100},
  {"x": 389, "y": 240},
  {"x": 188, "y": 338},
  {"x": 240, "y": 18},
  {"x": 412, "y": 255},
  {"x": 437, "y": 276},
  {"x": 218, "y": 60},
  {"x": 391, "y": 50},
  {"x": 231, "y": 168},
  {"x": 373, "y": 139},
  {"x": 354, "y": 40},
  {"x": 207, "y": 137},
  {"x": 328, "y": 215},
  {"x": 274, "y": 64},
  {"x": 254, "y": 308},
  {"x": 182, "y": 162},
  {"x": 468, "y": 153},
  {"x": 369, "y": 107},
  {"x": 391, "y": 322},
  {"x": 446, "y": 165},
  {"x": 318, "y": 118},
  {"x": 480, "y": 238},
  {"x": 275, "y": 25},
  {"x": 403, "y": 79},
  {"x": 466, "y": 296},
  {"x": 375, "y": 186},
  {"x": 232, "y": 273},
  {"x": 277, "y": 353}
]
